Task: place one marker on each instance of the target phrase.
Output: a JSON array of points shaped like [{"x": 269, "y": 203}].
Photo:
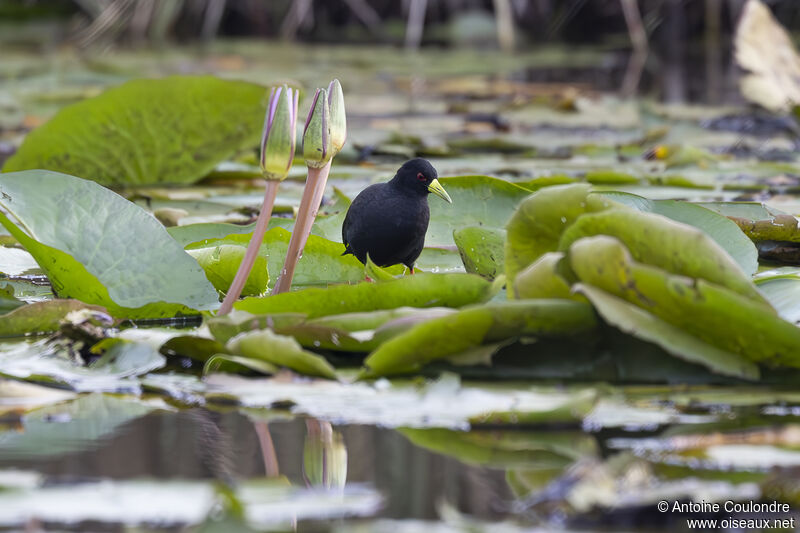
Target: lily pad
[
  {"x": 477, "y": 201},
  {"x": 675, "y": 247},
  {"x": 221, "y": 263},
  {"x": 720, "y": 228},
  {"x": 420, "y": 290},
  {"x": 539, "y": 221},
  {"x": 170, "y": 130},
  {"x": 98, "y": 248},
  {"x": 38, "y": 317},
  {"x": 482, "y": 250},
  {"x": 646, "y": 326},
  {"x": 452, "y": 334},
  {"x": 265, "y": 345},
  {"x": 712, "y": 313}
]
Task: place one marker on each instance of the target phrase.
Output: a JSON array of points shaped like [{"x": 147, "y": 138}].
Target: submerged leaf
[
  {"x": 171, "y": 130},
  {"x": 97, "y": 247}
]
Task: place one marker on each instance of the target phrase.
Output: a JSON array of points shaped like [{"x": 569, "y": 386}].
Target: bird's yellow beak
[{"x": 436, "y": 188}]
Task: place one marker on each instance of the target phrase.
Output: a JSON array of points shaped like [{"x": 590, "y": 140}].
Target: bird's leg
[
  {"x": 411, "y": 269},
  {"x": 309, "y": 205},
  {"x": 250, "y": 255}
]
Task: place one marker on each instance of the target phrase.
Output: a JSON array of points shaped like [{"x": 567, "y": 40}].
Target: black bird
[{"x": 389, "y": 220}]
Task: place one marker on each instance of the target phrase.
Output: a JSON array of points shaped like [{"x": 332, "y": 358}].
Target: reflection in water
[{"x": 204, "y": 444}]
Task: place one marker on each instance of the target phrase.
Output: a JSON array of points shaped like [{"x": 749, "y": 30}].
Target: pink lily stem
[
  {"x": 309, "y": 205},
  {"x": 267, "y": 449},
  {"x": 270, "y": 191}
]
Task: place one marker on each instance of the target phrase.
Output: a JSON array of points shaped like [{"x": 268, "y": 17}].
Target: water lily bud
[
  {"x": 338, "y": 116},
  {"x": 317, "y": 133},
  {"x": 278, "y": 139}
]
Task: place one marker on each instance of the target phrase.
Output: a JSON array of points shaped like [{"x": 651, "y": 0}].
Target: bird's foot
[{"x": 369, "y": 279}]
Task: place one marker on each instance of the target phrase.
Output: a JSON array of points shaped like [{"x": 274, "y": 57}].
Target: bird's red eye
[{"x": 421, "y": 176}]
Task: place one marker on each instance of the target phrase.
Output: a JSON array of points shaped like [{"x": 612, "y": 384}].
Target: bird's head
[{"x": 418, "y": 175}]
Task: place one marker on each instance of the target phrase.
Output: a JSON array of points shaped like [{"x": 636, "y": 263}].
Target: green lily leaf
[
  {"x": 7, "y": 300},
  {"x": 266, "y": 345},
  {"x": 659, "y": 241},
  {"x": 171, "y": 130},
  {"x": 202, "y": 231},
  {"x": 233, "y": 363},
  {"x": 223, "y": 328},
  {"x": 98, "y": 248},
  {"x": 39, "y": 317},
  {"x": 221, "y": 263},
  {"x": 758, "y": 221},
  {"x": 477, "y": 201},
  {"x": 482, "y": 250},
  {"x": 720, "y": 228},
  {"x": 543, "y": 280},
  {"x": 419, "y": 290},
  {"x": 452, "y": 334},
  {"x": 712, "y": 313},
  {"x": 322, "y": 262},
  {"x": 643, "y": 325},
  {"x": 539, "y": 221}
]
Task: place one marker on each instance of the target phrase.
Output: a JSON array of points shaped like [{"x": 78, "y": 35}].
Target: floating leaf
[
  {"x": 39, "y": 317},
  {"x": 97, "y": 247},
  {"x": 265, "y": 345},
  {"x": 221, "y": 263},
  {"x": 542, "y": 279},
  {"x": 233, "y": 364},
  {"x": 539, "y": 221},
  {"x": 452, "y": 334},
  {"x": 171, "y": 130},
  {"x": 712, "y": 313},
  {"x": 420, "y": 290},
  {"x": 322, "y": 262},
  {"x": 477, "y": 201},
  {"x": 720, "y": 228},
  {"x": 659, "y": 241},
  {"x": 481, "y": 250},
  {"x": 646, "y": 326}
]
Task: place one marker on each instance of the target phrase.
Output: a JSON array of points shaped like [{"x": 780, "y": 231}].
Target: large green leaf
[
  {"x": 659, "y": 241},
  {"x": 481, "y": 250},
  {"x": 221, "y": 262},
  {"x": 452, "y": 334},
  {"x": 322, "y": 262},
  {"x": 171, "y": 130},
  {"x": 420, "y": 290},
  {"x": 477, "y": 201},
  {"x": 38, "y": 317},
  {"x": 710, "y": 312},
  {"x": 266, "y": 345},
  {"x": 98, "y": 248},
  {"x": 646, "y": 326},
  {"x": 720, "y": 228},
  {"x": 539, "y": 221}
]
